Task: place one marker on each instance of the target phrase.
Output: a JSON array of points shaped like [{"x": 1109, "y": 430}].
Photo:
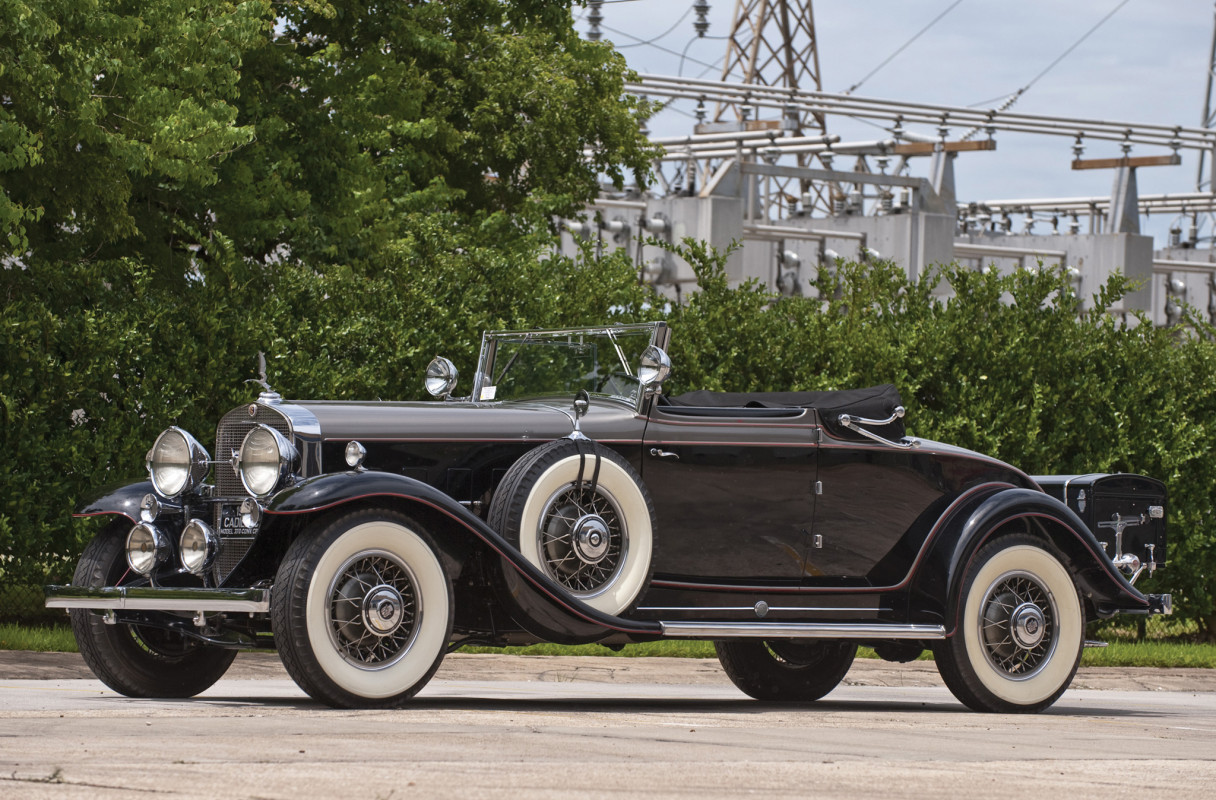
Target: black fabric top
[{"x": 874, "y": 402}]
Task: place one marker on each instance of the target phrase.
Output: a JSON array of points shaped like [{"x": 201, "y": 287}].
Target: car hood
[{"x": 378, "y": 420}]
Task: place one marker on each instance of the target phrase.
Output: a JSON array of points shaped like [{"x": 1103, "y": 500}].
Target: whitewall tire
[
  {"x": 362, "y": 611},
  {"x": 597, "y": 543},
  {"x": 1021, "y": 629}
]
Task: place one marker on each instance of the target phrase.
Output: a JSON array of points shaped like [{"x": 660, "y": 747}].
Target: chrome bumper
[{"x": 147, "y": 598}]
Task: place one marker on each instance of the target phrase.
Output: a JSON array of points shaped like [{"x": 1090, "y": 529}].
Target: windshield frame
[{"x": 487, "y": 365}]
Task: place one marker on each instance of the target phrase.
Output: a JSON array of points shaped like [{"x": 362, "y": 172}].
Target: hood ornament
[{"x": 268, "y": 394}]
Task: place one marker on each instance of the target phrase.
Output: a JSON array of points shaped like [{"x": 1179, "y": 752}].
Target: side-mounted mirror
[
  {"x": 654, "y": 369},
  {"x": 441, "y": 377}
]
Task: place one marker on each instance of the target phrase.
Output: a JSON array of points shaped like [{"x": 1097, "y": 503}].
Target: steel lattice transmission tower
[
  {"x": 772, "y": 43},
  {"x": 1209, "y": 119}
]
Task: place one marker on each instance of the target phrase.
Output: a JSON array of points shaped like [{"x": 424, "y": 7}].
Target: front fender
[
  {"x": 542, "y": 606},
  {"x": 954, "y": 550},
  {"x": 120, "y": 500}
]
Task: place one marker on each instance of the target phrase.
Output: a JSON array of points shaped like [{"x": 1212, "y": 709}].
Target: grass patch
[
  {"x": 1120, "y": 653},
  {"x": 44, "y": 639},
  {"x": 1151, "y": 654}
]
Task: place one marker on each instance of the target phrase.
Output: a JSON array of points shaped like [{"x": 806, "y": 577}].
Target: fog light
[
  {"x": 147, "y": 548},
  {"x": 199, "y": 546}
]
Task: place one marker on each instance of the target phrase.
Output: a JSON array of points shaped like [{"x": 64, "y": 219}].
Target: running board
[{"x": 799, "y": 630}]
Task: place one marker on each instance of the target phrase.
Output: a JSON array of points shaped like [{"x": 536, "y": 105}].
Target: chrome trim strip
[
  {"x": 800, "y": 630},
  {"x": 147, "y": 598}
]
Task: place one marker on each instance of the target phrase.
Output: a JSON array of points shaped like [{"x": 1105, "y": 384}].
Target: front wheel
[
  {"x": 137, "y": 660},
  {"x": 783, "y": 669},
  {"x": 1020, "y": 630},
  {"x": 362, "y": 610}
]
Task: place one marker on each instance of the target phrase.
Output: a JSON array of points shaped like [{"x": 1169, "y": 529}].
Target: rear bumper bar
[{"x": 148, "y": 598}]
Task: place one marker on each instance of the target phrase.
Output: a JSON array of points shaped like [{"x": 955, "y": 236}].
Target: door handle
[{"x": 657, "y": 453}]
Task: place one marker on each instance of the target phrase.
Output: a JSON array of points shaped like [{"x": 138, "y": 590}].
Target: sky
[{"x": 1147, "y": 63}]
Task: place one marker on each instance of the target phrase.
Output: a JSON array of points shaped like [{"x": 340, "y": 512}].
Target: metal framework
[{"x": 772, "y": 43}]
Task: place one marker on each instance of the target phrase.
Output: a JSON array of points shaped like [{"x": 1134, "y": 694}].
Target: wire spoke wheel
[
  {"x": 1020, "y": 629},
  {"x": 1018, "y": 624},
  {"x": 582, "y": 538},
  {"x": 362, "y": 609},
  {"x": 373, "y": 605},
  {"x": 580, "y": 513}
]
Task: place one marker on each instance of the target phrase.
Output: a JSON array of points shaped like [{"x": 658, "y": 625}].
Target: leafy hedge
[
  {"x": 96, "y": 360},
  {"x": 1009, "y": 367}
]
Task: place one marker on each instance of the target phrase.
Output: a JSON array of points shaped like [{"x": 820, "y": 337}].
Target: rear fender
[
  {"x": 536, "y": 602},
  {"x": 1037, "y": 513}
]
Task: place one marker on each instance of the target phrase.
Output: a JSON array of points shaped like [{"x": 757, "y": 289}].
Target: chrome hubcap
[
  {"x": 373, "y": 608},
  {"x": 382, "y": 608},
  {"x": 1018, "y": 624},
  {"x": 1028, "y": 625},
  {"x": 582, "y": 539},
  {"x": 590, "y": 538}
]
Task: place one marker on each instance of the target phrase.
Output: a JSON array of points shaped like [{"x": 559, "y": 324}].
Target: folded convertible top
[{"x": 874, "y": 402}]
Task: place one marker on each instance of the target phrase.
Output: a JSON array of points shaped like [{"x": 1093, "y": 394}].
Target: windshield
[{"x": 521, "y": 365}]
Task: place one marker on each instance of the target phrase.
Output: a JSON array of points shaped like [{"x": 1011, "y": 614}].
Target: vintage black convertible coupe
[{"x": 568, "y": 500}]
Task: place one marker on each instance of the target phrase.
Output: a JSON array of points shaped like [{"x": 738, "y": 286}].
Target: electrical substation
[{"x": 761, "y": 166}]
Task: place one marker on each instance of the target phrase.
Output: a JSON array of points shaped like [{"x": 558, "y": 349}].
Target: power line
[
  {"x": 902, "y": 47},
  {"x": 660, "y": 36},
  {"x": 657, "y": 46},
  {"x": 1013, "y": 97},
  {"x": 683, "y": 55}
]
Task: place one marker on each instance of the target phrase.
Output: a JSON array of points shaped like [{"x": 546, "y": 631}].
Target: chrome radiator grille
[{"x": 228, "y": 437}]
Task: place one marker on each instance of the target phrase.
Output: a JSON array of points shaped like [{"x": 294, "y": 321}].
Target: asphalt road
[{"x": 494, "y": 726}]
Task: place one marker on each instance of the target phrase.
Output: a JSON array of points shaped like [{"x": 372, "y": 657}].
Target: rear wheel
[
  {"x": 1020, "y": 630},
  {"x": 137, "y": 660},
  {"x": 362, "y": 610},
  {"x": 783, "y": 669}
]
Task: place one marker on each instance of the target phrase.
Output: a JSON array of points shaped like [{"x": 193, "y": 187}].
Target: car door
[{"x": 733, "y": 491}]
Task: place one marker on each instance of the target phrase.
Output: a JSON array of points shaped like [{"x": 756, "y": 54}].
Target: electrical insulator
[
  {"x": 702, "y": 24},
  {"x": 1074, "y": 227},
  {"x": 1175, "y": 237},
  {"x": 1192, "y": 232},
  {"x": 1175, "y": 288},
  {"x": 594, "y": 18}
]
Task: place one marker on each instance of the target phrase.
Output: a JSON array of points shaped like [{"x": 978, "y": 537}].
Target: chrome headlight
[
  {"x": 177, "y": 463},
  {"x": 147, "y": 547},
  {"x": 199, "y": 546},
  {"x": 265, "y": 459}
]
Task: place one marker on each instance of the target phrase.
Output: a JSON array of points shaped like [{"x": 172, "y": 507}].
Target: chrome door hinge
[{"x": 818, "y": 487}]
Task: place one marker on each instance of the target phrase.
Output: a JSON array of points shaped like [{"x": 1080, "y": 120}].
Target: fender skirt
[
  {"x": 539, "y": 604},
  {"x": 1097, "y": 578}
]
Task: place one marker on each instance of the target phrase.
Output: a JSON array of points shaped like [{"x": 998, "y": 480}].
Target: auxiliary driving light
[
  {"x": 147, "y": 547},
  {"x": 199, "y": 546}
]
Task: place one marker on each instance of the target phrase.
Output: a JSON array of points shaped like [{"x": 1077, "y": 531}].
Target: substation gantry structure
[{"x": 761, "y": 166}]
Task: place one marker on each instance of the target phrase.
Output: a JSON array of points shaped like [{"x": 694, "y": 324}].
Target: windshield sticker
[{"x": 488, "y": 392}]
